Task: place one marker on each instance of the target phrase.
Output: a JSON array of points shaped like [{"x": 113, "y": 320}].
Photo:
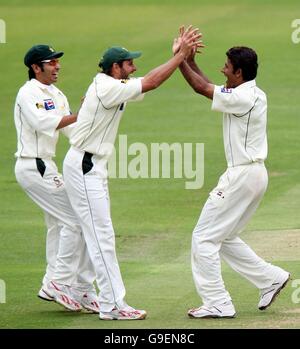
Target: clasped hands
[{"x": 188, "y": 42}]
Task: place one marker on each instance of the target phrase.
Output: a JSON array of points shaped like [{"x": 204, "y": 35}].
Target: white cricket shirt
[
  {"x": 244, "y": 122},
  {"x": 100, "y": 114},
  {"x": 38, "y": 110}
]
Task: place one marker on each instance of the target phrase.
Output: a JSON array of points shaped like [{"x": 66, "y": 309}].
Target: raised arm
[
  {"x": 190, "y": 70},
  {"x": 189, "y": 39},
  {"x": 197, "y": 81},
  {"x": 192, "y": 63}
]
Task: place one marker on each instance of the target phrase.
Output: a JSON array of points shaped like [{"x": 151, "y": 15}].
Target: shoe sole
[
  {"x": 89, "y": 310},
  {"x": 212, "y": 317},
  {"x": 142, "y": 317},
  {"x": 276, "y": 294},
  {"x": 47, "y": 297}
]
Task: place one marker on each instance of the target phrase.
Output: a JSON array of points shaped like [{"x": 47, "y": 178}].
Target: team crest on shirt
[
  {"x": 226, "y": 90},
  {"x": 49, "y": 104},
  {"x": 124, "y": 81},
  {"x": 39, "y": 105}
]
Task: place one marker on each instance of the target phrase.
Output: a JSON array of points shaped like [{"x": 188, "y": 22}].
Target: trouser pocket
[{"x": 40, "y": 166}]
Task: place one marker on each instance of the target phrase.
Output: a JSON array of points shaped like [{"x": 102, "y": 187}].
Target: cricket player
[
  {"x": 239, "y": 190},
  {"x": 41, "y": 111},
  {"x": 85, "y": 165}
]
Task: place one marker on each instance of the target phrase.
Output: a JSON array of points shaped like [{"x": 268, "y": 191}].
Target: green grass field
[{"x": 154, "y": 218}]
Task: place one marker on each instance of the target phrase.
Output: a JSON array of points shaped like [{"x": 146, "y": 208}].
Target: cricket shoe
[
  {"x": 87, "y": 299},
  {"x": 45, "y": 294},
  {"x": 127, "y": 313},
  {"x": 268, "y": 294},
  {"x": 225, "y": 310},
  {"x": 62, "y": 295}
]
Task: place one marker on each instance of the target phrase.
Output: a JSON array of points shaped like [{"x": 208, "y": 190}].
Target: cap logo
[
  {"x": 125, "y": 49},
  {"x": 51, "y": 49}
]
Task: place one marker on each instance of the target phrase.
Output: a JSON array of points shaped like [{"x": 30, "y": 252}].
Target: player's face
[
  {"x": 227, "y": 70},
  {"x": 128, "y": 68},
  {"x": 49, "y": 75}
]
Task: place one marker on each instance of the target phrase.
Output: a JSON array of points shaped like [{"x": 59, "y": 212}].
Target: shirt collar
[
  {"x": 247, "y": 84},
  {"x": 49, "y": 88}
]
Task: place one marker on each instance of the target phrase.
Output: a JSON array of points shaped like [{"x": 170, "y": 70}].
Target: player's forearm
[
  {"x": 158, "y": 75},
  {"x": 197, "y": 82},
  {"x": 67, "y": 120},
  {"x": 197, "y": 70}
]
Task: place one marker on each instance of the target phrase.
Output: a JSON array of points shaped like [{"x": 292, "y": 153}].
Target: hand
[
  {"x": 177, "y": 41},
  {"x": 194, "y": 50},
  {"x": 191, "y": 56},
  {"x": 82, "y": 100},
  {"x": 189, "y": 38},
  {"x": 188, "y": 42}
]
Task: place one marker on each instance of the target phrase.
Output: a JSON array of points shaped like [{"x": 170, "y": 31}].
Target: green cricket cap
[
  {"x": 116, "y": 54},
  {"x": 38, "y": 53}
]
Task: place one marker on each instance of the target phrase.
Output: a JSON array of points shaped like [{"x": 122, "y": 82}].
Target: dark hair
[
  {"x": 243, "y": 58},
  {"x": 108, "y": 70},
  {"x": 31, "y": 73}
]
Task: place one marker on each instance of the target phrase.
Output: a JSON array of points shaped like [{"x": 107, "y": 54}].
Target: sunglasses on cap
[{"x": 51, "y": 61}]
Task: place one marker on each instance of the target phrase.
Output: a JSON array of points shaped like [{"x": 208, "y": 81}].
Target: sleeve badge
[
  {"x": 39, "y": 105},
  {"x": 226, "y": 90}
]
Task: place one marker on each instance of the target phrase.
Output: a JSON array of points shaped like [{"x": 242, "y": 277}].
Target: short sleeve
[
  {"x": 112, "y": 92},
  {"x": 232, "y": 100},
  {"x": 140, "y": 97},
  {"x": 40, "y": 119}
]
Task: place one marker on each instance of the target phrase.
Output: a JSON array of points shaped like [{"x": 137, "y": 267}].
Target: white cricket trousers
[
  {"x": 226, "y": 212},
  {"x": 86, "y": 185},
  {"x": 68, "y": 261}
]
